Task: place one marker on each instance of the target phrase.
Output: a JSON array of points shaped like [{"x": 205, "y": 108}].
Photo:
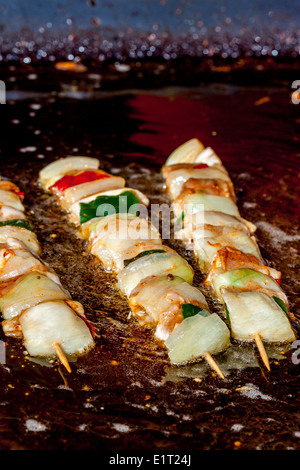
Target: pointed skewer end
[
  {"x": 210, "y": 360},
  {"x": 262, "y": 351},
  {"x": 61, "y": 356}
]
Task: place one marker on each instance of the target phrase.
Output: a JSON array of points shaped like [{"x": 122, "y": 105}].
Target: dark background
[{"x": 142, "y": 78}]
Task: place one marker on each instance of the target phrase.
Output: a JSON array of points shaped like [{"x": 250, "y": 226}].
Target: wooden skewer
[
  {"x": 62, "y": 356},
  {"x": 262, "y": 350},
  {"x": 213, "y": 364},
  {"x": 63, "y": 377}
]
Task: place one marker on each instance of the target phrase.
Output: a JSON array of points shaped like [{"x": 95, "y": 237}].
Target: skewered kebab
[
  {"x": 224, "y": 243},
  {"x": 156, "y": 280},
  {"x": 34, "y": 304}
]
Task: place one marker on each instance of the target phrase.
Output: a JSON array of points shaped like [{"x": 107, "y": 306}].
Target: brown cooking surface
[{"x": 125, "y": 394}]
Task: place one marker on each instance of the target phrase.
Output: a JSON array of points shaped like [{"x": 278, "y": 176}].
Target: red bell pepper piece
[
  {"x": 200, "y": 166},
  {"x": 68, "y": 181}
]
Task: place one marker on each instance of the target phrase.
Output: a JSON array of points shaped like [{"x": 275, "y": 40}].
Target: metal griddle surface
[{"x": 125, "y": 395}]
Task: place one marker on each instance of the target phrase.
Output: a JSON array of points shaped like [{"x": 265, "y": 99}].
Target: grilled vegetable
[
  {"x": 107, "y": 203},
  {"x": 17, "y": 261},
  {"x": 49, "y": 323},
  {"x": 10, "y": 234},
  {"x": 189, "y": 310},
  {"x": 119, "y": 226},
  {"x": 17, "y": 223},
  {"x": 57, "y": 169},
  {"x": 207, "y": 248},
  {"x": 11, "y": 199},
  {"x": 10, "y": 213},
  {"x": 193, "y": 203},
  {"x": 186, "y": 153},
  {"x": 197, "y": 335},
  {"x": 33, "y": 302},
  {"x": 78, "y": 178},
  {"x": 7, "y": 185},
  {"x": 209, "y": 222},
  {"x": 153, "y": 265},
  {"x": 229, "y": 259},
  {"x": 156, "y": 279},
  {"x": 256, "y": 313},
  {"x": 78, "y": 192},
  {"x": 27, "y": 291},
  {"x": 192, "y": 225},
  {"x": 118, "y": 237},
  {"x": 163, "y": 301},
  {"x": 193, "y": 151},
  {"x": 247, "y": 280},
  {"x": 176, "y": 179}
]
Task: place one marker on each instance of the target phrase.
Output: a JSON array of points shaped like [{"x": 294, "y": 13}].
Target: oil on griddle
[{"x": 124, "y": 395}]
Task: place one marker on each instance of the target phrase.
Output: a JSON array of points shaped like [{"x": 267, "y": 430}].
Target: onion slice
[
  {"x": 177, "y": 178},
  {"x": 11, "y": 199},
  {"x": 195, "y": 336},
  {"x": 186, "y": 152},
  {"x": 253, "y": 313},
  {"x": 154, "y": 265},
  {"x": 17, "y": 262},
  {"x": 10, "y": 213},
  {"x": 81, "y": 191},
  {"x": 10, "y": 234},
  {"x": 55, "y": 322},
  {"x": 57, "y": 169},
  {"x": 199, "y": 202},
  {"x": 207, "y": 248},
  {"x": 246, "y": 279},
  {"x": 29, "y": 290},
  {"x": 75, "y": 209}
]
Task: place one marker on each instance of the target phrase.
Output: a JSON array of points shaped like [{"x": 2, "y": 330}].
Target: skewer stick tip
[
  {"x": 262, "y": 350},
  {"x": 61, "y": 356},
  {"x": 213, "y": 364}
]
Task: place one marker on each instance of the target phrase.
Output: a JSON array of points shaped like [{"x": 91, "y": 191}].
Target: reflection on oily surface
[{"x": 124, "y": 394}]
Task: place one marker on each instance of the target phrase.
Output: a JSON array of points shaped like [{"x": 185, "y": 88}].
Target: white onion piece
[
  {"x": 199, "y": 202},
  {"x": 112, "y": 253},
  {"x": 57, "y": 169},
  {"x": 112, "y": 238},
  {"x": 55, "y": 322},
  {"x": 28, "y": 291},
  {"x": 193, "y": 225},
  {"x": 230, "y": 259},
  {"x": 207, "y": 248},
  {"x": 197, "y": 335},
  {"x": 255, "y": 312},
  {"x": 141, "y": 246},
  {"x": 119, "y": 227},
  {"x": 89, "y": 229},
  {"x": 81, "y": 191},
  {"x": 209, "y": 157},
  {"x": 153, "y": 265},
  {"x": 9, "y": 233},
  {"x": 247, "y": 279},
  {"x": 74, "y": 209},
  {"x": 185, "y": 153},
  {"x": 15, "y": 263},
  {"x": 8, "y": 198},
  {"x": 177, "y": 178},
  {"x": 10, "y": 213}
]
